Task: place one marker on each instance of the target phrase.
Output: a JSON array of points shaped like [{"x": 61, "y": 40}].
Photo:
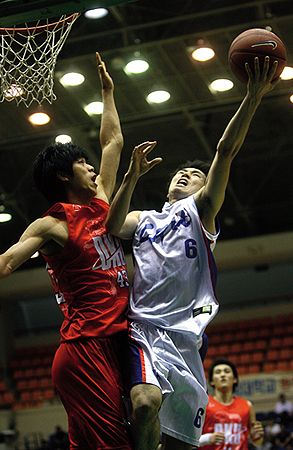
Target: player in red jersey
[
  {"x": 88, "y": 272},
  {"x": 229, "y": 420}
]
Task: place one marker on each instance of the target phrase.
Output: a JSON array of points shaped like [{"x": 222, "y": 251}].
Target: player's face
[
  {"x": 84, "y": 178},
  {"x": 223, "y": 377},
  {"x": 185, "y": 182}
]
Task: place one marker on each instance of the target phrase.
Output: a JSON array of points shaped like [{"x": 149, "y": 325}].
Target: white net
[{"x": 28, "y": 58}]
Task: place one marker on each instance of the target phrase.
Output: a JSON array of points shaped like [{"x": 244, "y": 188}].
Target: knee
[
  {"x": 145, "y": 410},
  {"x": 146, "y": 403}
]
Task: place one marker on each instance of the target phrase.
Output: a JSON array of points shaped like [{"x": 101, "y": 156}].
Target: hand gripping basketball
[{"x": 256, "y": 42}]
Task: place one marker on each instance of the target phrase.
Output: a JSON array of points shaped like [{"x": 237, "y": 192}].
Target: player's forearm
[
  {"x": 120, "y": 206},
  {"x": 236, "y": 130},
  {"x": 110, "y": 124}
]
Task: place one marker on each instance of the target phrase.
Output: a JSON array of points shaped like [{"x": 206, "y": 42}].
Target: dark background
[{"x": 260, "y": 193}]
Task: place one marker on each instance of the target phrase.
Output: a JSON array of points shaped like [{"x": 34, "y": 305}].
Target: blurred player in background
[{"x": 230, "y": 421}]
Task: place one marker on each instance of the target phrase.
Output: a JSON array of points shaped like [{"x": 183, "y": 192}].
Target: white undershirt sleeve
[{"x": 205, "y": 439}]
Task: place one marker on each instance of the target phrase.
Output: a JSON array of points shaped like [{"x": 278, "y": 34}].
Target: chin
[{"x": 182, "y": 194}]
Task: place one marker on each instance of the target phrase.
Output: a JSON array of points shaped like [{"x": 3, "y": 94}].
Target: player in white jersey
[
  {"x": 170, "y": 291},
  {"x": 173, "y": 294}
]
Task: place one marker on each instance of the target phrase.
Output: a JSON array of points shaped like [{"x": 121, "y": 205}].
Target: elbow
[
  {"x": 116, "y": 141},
  {"x": 6, "y": 266},
  {"x": 227, "y": 148},
  {"x": 111, "y": 228},
  {"x": 4, "y": 273},
  {"x": 120, "y": 141}
]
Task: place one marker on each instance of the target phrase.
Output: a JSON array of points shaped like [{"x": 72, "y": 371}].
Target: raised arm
[
  {"x": 111, "y": 137},
  {"x": 210, "y": 198},
  {"x": 118, "y": 222}
]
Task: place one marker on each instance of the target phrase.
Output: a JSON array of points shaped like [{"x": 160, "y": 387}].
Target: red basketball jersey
[
  {"x": 233, "y": 420},
  {"x": 89, "y": 274}
]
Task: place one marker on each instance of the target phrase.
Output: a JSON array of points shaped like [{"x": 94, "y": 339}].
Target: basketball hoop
[{"x": 28, "y": 58}]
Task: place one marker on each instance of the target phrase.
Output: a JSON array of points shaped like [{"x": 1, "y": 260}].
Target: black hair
[
  {"x": 204, "y": 166},
  {"x": 56, "y": 158},
  {"x": 219, "y": 361}
]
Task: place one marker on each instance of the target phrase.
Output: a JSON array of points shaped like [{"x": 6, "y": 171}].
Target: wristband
[{"x": 205, "y": 439}]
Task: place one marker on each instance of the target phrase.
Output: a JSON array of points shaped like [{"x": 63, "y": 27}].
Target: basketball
[{"x": 256, "y": 42}]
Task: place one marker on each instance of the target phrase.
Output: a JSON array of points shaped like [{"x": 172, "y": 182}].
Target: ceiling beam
[{"x": 15, "y": 12}]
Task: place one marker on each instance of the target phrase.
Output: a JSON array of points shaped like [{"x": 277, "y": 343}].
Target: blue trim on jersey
[
  {"x": 132, "y": 364},
  {"x": 204, "y": 347},
  {"x": 212, "y": 262}
]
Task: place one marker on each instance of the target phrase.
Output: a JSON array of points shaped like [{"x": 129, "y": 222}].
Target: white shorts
[{"x": 172, "y": 362}]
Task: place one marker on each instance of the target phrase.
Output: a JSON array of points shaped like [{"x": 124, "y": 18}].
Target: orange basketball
[{"x": 256, "y": 42}]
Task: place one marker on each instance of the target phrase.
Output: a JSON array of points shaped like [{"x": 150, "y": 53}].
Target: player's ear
[{"x": 62, "y": 176}]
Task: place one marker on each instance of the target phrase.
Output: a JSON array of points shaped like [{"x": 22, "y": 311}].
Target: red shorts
[{"x": 88, "y": 379}]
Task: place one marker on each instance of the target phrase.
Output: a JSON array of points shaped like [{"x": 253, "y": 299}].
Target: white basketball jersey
[{"x": 174, "y": 271}]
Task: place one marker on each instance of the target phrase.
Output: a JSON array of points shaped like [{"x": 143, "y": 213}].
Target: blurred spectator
[
  {"x": 8, "y": 436},
  {"x": 59, "y": 440},
  {"x": 44, "y": 445},
  {"x": 283, "y": 439},
  {"x": 272, "y": 429},
  {"x": 284, "y": 409}
]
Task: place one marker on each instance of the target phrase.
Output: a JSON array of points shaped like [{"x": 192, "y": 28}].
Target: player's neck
[
  {"x": 79, "y": 199},
  {"x": 226, "y": 398}
]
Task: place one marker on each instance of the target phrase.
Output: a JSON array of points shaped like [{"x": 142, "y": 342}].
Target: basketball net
[{"x": 28, "y": 58}]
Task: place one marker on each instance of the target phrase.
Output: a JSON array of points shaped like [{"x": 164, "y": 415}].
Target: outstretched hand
[
  {"x": 106, "y": 80},
  {"x": 138, "y": 162},
  {"x": 261, "y": 82}
]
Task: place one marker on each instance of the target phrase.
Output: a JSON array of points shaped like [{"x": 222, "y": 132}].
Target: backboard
[{"x": 17, "y": 12}]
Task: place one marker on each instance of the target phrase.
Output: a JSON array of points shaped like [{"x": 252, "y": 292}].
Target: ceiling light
[
  {"x": 72, "y": 79},
  {"x": 35, "y": 255},
  {"x": 136, "y": 66},
  {"x": 39, "y": 118},
  {"x": 203, "y": 54},
  {"x": 287, "y": 73},
  {"x": 5, "y": 217},
  {"x": 14, "y": 91},
  {"x": 291, "y": 98},
  {"x": 94, "y": 108},
  {"x": 63, "y": 138},
  {"x": 221, "y": 85},
  {"x": 96, "y": 13},
  {"x": 158, "y": 97}
]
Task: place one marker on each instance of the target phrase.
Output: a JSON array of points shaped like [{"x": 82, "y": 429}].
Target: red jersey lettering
[{"x": 89, "y": 274}]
